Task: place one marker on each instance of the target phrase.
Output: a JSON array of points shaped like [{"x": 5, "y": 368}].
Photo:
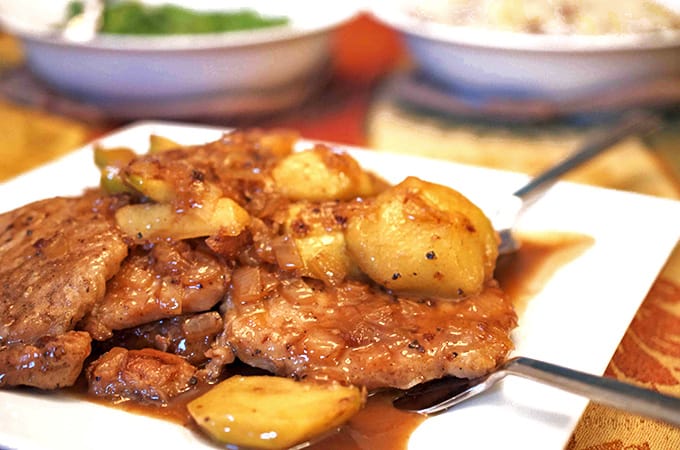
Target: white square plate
[{"x": 577, "y": 319}]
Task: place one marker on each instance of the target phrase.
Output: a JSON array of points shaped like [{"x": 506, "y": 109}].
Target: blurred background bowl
[
  {"x": 254, "y": 70},
  {"x": 517, "y": 64}
]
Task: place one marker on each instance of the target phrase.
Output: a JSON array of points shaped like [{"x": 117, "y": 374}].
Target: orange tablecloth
[{"x": 352, "y": 111}]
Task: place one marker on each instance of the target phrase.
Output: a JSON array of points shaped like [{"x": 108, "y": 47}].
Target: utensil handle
[
  {"x": 607, "y": 391},
  {"x": 637, "y": 122}
]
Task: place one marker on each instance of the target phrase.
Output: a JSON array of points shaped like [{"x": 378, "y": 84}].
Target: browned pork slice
[
  {"x": 189, "y": 336},
  {"x": 146, "y": 375},
  {"x": 361, "y": 335},
  {"x": 48, "y": 363},
  {"x": 168, "y": 280},
  {"x": 55, "y": 258}
]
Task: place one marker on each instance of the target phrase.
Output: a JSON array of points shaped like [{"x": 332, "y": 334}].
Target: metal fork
[{"x": 438, "y": 395}]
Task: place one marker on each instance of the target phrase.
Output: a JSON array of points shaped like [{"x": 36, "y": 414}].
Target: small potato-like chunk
[
  {"x": 324, "y": 257},
  {"x": 420, "y": 238},
  {"x": 323, "y": 174},
  {"x": 118, "y": 156},
  {"x": 271, "y": 412},
  {"x": 159, "y": 144},
  {"x": 153, "y": 220},
  {"x": 110, "y": 161},
  {"x": 317, "y": 233},
  {"x": 153, "y": 188},
  {"x": 279, "y": 142}
]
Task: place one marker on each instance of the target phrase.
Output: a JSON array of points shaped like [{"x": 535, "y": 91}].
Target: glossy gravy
[
  {"x": 523, "y": 274},
  {"x": 380, "y": 426}
]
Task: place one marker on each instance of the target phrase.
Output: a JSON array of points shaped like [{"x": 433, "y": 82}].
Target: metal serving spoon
[
  {"x": 438, "y": 395},
  {"x": 637, "y": 122}
]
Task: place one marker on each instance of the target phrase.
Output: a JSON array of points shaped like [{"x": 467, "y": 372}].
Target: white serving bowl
[
  {"x": 125, "y": 73},
  {"x": 516, "y": 64}
]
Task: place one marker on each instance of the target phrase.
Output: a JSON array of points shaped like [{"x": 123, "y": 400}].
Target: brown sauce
[
  {"x": 175, "y": 410},
  {"x": 523, "y": 274},
  {"x": 380, "y": 426}
]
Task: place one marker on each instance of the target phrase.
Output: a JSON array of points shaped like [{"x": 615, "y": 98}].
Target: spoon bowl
[{"x": 439, "y": 395}]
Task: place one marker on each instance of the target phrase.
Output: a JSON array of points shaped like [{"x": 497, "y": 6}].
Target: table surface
[{"x": 364, "y": 104}]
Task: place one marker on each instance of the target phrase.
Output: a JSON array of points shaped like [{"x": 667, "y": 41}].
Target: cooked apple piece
[
  {"x": 110, "y": 161},
  {"x": 115, "y": 179},
  {"x": 112, "y": 182},
  {"x": 153, "y": 188},
  {"x": 154, "y": 220},
  {"x": 323, "y": 174},
  {"x": 114, "y": 156},
  {"x": 279, "y": 142},
  {"x": 324, "y": 256},
  {"x": 420, "y": 238},
  {"x": 316, "y": 231},
  {"x": 271, "y": 412},
  {"x": 159, "y": 143}
]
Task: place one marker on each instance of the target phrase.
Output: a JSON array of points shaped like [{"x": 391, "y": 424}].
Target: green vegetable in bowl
[
  {"x": 73, "y": 9},
  {"x": 131, "y": 17}
]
